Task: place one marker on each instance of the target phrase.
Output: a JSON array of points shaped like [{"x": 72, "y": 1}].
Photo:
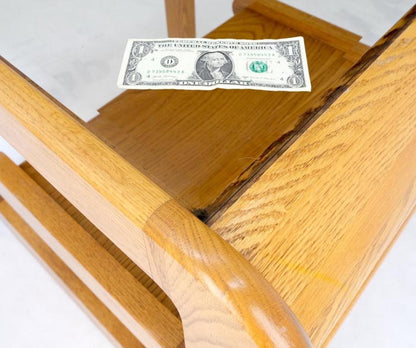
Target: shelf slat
[
  {"x": 127, "y": 298},
  {"x": 81, "y": 293}
]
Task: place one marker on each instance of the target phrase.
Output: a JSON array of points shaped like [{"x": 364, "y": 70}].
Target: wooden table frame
[{"x": 222, "y": 298}]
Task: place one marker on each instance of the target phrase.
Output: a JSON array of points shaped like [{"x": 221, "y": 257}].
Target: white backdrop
[{"x": 73, "y": 50}]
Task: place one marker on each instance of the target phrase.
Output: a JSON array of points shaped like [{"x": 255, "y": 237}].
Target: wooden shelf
[{"x": 201, "y": 147}]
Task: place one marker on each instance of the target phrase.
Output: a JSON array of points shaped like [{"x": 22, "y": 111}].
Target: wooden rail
[
  {"x": 221, "y": 298},
  {"x": 82, "y": 294},
  {"x": 319, "y": 218}
]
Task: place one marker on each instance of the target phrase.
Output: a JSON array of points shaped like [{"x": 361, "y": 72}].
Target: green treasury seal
[{"x": 258, "y": 67}]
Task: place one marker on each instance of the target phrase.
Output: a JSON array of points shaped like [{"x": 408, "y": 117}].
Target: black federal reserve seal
[
  {"x": 169, "y": 61},
  {"x": 214, "y": 66}
]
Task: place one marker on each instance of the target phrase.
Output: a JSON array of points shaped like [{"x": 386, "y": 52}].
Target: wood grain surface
[
  {"x": 127, "y": 298},
  {"x": 180, "y": 16},
  {"x": 80, "y": 292},
  {"x": 315, "y": 223},
  {"x": 221, "y": 298},
  {"x": 319, "y": 219},
  {"x": 201, "y": 147}
]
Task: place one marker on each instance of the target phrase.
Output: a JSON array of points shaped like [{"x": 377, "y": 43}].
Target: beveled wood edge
[
  {"x": 205, "y": 210},
  {"x": 221, "y": 298},
  {"x": 329, "y": 33},
  {"x": 180, "y": 17},
  {"x": 151, "y": 322},
  {"x": 83, "y": 296},
  {"x": 378, "y": 104},
  {"x": 312, "y": 115}
]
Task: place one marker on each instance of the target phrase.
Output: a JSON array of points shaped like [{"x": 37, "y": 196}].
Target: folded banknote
[{"x": 204, "y": 64}]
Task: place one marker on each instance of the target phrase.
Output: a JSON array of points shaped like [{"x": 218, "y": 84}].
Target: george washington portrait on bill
[{"x": 214, "y": 66}]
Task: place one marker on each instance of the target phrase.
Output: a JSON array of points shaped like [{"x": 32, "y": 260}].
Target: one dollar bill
[{"x": 203, "y": 64}]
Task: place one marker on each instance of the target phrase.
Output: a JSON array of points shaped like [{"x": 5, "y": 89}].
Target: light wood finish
[
  {"x": 315, "y": 223},
  {"x": 180, "y": 16},
  {"x": 200, "y": 146},
  {"x": 319, "y": 219},
  {"x": 291, "y": 17},
  {"x": 220, "y": 297},
  {"x": 127, "y": 298},
  {"x": 81, "y": 293},
  {"x": 112, "y": 249}
]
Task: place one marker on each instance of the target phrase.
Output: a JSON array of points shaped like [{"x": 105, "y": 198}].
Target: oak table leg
[{"x": 180, "y": 16}]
